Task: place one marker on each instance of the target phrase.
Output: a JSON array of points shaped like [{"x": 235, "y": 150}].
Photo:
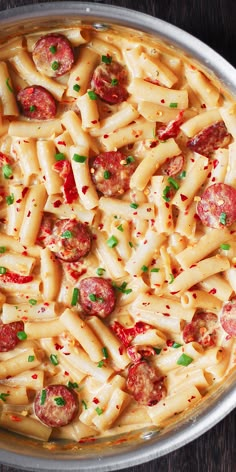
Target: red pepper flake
[
  {"x": 28, "y": 214},
  {"x": 62, "y": 143},
  {"x": 24, "y": 253},
  {"x": 145, "y": 242},
  {"x": 24, "y": 191},
  {"x": 106, "y": 136},
  {"x": 169, "y": 343},
  {"x": 193, "y": 265},
  {"x": 119, "y": 259},
  {"x": 94, "y": 122},
  {"x": 19, "y": 200},
  {"x": 117, "y": 407},
  {"x": 190, "y": 399},
  {"x": 209, "y": 175},
  {"x": 100, "y": 226},
  {"x": 166, "y": 314},
  {"x": 85, "y": 189},
  {"x": 15, "y": 418},
  {"x": 167, "y": 205},
  {"x": 213, "y": 291},
  {"x": 66, "y": 373},
  {"x": 213, "y": 179},
  {"x": 183, "y": 197},
  {"x": 66, "y": 353},
  {"x": 162, "y": 100},
  {"x": 194, "y": 295},
  {"x": 95, "y": 400},
  {"x": 153, "y": 144},
  {"x": 34, "y": 376},
  {"x": 57, "y": 203},
  {"x": 58, "y": 346},
  {"x": 149, "y": 209},
  {"x": 121, "y": 350},
  {"x": 203, "y": 105},
  {"x": 135, "y": 213}
]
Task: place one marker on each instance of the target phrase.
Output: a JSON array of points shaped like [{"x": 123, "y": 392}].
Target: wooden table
[{"x": 214, "y": 23}]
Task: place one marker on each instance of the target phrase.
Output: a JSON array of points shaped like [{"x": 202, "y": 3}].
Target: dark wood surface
[{"x": 214, "y": 22}]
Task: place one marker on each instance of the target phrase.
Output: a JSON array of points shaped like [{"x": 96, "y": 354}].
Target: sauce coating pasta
[{"x": 117, "y": 234}]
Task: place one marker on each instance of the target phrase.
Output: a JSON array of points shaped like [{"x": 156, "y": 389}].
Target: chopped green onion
[
  {"x": 129, "y": 160},
  {"x": 32, "y": 301},
  {"x": 100, "y": 364},
  {"x": 84, "y": 404},
  {"x": 53, "y": 49},
  {"x": 105, "y": 352},
  {"x": 226, "y": 247},
  {"x": 171, "y": 279},
  {"x": 131, "y": 244},
  {"x": 155, "y": 269},
  {"x": 43, "y": 397},
  {"x": 173, "y": 105},
  {"x": 31, "y": 358},
  {"x": 176, "y": 345},
  {"x": 134, "y": 205},
  {"x": 92, "y": 297},
  {"x": 2, "y": 249},
  {"x": 144, "y": 268},
  {"x": 122, "y": 288},
  {"x": 54, "y": 360},
  {"x": 76, "y": 87},
  {"x": 72, "y": 384},
  {"x": 32, "y": 108},
  {"x": 8, "y": 85},
  {"x": 182, "y": 175},
  {"x": 60, "y": 156},
  {"x": 98, "y": 410},
  {"x": 112, "y": 242},
  {"x": 21, "y": 335},
  {"x": 223, "y": 217},
  {"x": 107, "y": 174},
  {"x": 79, "y": 158},
  {"x": 55, "y": 65},
  {"x": 173, "y": 182},
  {"x": 92, "y": 95},
  {"x": 157, "y": 350},
  {"x": 100, "y": 271},
  {"x": 184, "y": 360},
  {"x": 59, "y": 401},
  {"x": 3, "y": 270},
  {"x": 67, "y": 234},
  {"x": 114, "y": 81},
  {"x": 75, "y": 295},
  {"x": 10, "y": 199},
  {"x": 107, "y": 59},
  {"x": 120, "y": 228},
  {"x": 165, "y": 193},
  {"x": 3, "y": 396}
]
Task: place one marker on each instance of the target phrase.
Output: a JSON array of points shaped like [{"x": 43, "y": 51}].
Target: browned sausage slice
[
  {"x": 109, "y": 82},
  {"x": 210, "y": 139},
  {"x": 53, "y": 55},
  {"x": 97, "y": 296},
  {"x": 172, "y": 165},
  {"x": 37, "y": 103},
  {"x": 111, "y": 172},
  {"x": 70, "y": 240},
  {"x": 56, "y": 405},
  {"x": 202, "y": 329},
  {"x": 217, "y": 207},
  {"x": 228, "y": 318},
  {"x": 144, "y": 383},
  {"x": 8, "y": 335}
]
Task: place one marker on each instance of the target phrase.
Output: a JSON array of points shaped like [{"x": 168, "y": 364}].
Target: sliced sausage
[
  {"x": 37, "y": 103},
  {"x": 56, "y": 405},
  {"x": 53, "y": 55},
  {"x": 172, "y": 165},
  {"x": 217, "y": 207},
  {"x": 70, "y": 240},
  {"x": 111, "y": 173},
  {"x": 172, "y": 129},
  {"x": 144, "y": 383},
  {"x": 228, "y": 318},
  {"x": 8, "y": 335},
  {"x": 109, "y": 82},
  {"x": 210, "y": 139},
  {"x": 97, "y": 296},
  {"x": 202, "y": 329}
]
